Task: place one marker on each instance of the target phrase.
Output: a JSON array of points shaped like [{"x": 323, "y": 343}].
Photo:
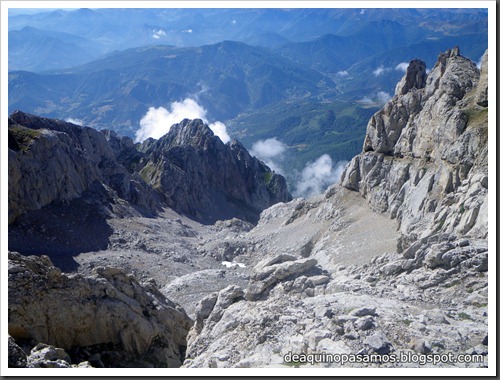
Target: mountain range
[{"x": 309, "y": 77}]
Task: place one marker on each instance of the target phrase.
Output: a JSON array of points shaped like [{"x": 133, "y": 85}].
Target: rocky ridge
[
  {"x": 201, "y": 177},
  {"x": 67, "y": 181},
  {"x": 189, "y": 170},
  {"x": 393, "y": 260}
]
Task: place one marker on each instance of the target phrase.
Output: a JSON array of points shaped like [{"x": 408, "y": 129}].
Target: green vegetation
[
  {"x": 476, "y": 117},
  {"x": 293, "y": 364},
  {"x": 20, "y": 138},
  {"x": 147, "y": 173},
  {"x": 462, "y": 208},
  {"x": 309, "y": 129},
  {"x": 453, "y": 283},
  {"x": 267, "y": 177},
  {"x": 463, "y": 315}
]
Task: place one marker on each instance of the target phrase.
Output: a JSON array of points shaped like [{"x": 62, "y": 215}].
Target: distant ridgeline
[{"x": 310, "y": 77}]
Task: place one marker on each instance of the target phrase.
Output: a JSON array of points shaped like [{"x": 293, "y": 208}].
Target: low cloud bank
[
  {"x": 318, "y": 175},
  {"x": 378, "y": 99},
  {"x": 270, "y": 151},
  {"x": 74, "y": 121},
  {"x": 157, "y": 121},
  {"x": 312, "y": 180}
]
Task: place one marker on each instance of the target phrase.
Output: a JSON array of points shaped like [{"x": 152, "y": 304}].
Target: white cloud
[
  {"x": 318, "y": 175},
  {"x": 219, "y": 129},
  {"x": 188, "y": 31},
  {"x": 362, "y": 12},
  {"x": 233, "y": 22},
  {"x": 157, "y": 34},
  {"x": 342, "y": 73},
  {"x": 383, "y": 97},
  {"x": 379, "y": 70},
  {"x": 402, "y": 66},
  {"x": 271, "y": 152},
  {"x": 379, "y": 98},
  {"x": 157, "y": 121},
  {"x": 74, "y": 121},
  {"x": 480, "y": 62}
]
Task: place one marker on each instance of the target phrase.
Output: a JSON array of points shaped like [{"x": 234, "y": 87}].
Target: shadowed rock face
[
  {"x": 203, "y": 178},
  {"x": 189, "y": 169},
  {"x": 54, "y": 161},
  {"x": 415, "y": 77}
]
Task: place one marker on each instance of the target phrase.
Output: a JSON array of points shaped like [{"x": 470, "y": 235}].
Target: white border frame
[{"x": 491, "y": 371}]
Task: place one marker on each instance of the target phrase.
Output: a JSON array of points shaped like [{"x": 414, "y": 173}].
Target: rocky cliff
[
  {"x": 51, "y": 161},
  {"x": 425, "y": 153},
  {"x": 111, "y": 309}
]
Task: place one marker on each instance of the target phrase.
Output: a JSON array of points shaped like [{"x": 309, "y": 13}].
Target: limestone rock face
[
  {"x": 54, "y": 161},
  {"x": 268, "y": 273},
  {"x": 425, "y": 153},
  {"x": 112, "y": 307},
  {"x": 482, "y": 87},
  {"x": 414, "y": 79},
  {"x": 201, "y": 177},
  {"x": 395, "y": 258},
  {"x": 189, "y": 169}
]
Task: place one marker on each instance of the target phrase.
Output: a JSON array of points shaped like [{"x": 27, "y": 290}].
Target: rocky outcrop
[
  {"x": 203, "y": 178},
  {"x": 482, "y": 87},
  {"x": 109, "y": 307},
  {"x": 425, "y": 152},
  {"x": 282, "y": 267},
  {"x": 54, "y": 161}
]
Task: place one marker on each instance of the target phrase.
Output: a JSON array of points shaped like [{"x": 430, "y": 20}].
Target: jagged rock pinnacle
[{"x": 415, "y": 77}]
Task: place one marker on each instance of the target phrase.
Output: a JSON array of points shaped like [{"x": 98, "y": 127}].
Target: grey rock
[
  {"x": 378, "y": 342},
  {"x": 482, "y": 87},
  {"x": 365, "y": 323},
  {"x": 63, "y": 161},
  {"x": 364, "y": 311},
  {"x": 414, "y": 79},
  {"x": 437, "y": 156},
  {"x": 108, "y": 307},
  {"x": 420, "y": 346},
  {"x": 485, "y": 340},
  {"x": 200, "y": 176},
  {"x": 17, "y": 357},
  {"x": 270, "y": 275}
]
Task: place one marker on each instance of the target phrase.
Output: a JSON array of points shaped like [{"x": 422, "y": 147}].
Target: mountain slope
[
  {"x": 392, "y": 261},
  {"x": 389, "y": 263},
  {"x": 189, "y": 169},
  {"x": 117, "y": 90},
  {"x": 37, "y": 50}
]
